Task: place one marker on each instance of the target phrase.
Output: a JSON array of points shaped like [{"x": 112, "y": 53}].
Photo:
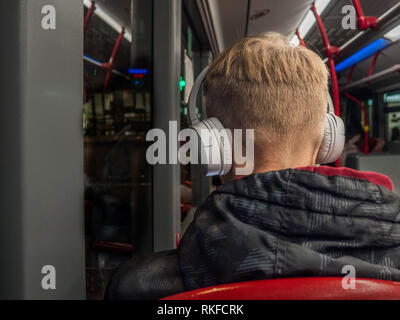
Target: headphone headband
[
  {"x": 331, "y": 109},
  {"x": 192, "y": 113},
  {"x": 330, "y": 150}
]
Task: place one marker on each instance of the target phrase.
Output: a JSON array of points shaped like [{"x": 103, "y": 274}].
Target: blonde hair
[{"x": 266, "y": 84}]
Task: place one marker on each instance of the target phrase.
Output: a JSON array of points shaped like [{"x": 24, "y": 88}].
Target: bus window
[
  {"x": 116, "y": 117},
  {"x": 392, "y": 122}
]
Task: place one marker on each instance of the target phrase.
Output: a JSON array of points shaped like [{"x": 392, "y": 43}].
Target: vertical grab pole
[
  {"x": 373, "y": 64},
  {"x": 114, "y": 52},
  {"x": 363, "y": 109},
  {"x": 300, "y": 38},
  {"x": 89, "y": 15},
  {"x": 366, "y": 120},
  {"x": 110, "y": 64},
  {"x": 330, "y": 53},
  {"x": 363, "y": 21},
  {"x": 167, "y": 24}
]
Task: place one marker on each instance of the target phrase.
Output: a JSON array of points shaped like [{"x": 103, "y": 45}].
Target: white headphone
[{"x": 219, "y": 151}]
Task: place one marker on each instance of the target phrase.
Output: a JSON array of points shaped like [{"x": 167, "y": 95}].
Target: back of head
[{"x": 266, "y": 84}]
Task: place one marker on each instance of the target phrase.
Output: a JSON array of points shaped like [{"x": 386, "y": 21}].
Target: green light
[{"x": 182, "y": 84}]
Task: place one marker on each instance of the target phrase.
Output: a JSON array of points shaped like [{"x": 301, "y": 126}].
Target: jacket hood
[{"x": 291, "y": 223}]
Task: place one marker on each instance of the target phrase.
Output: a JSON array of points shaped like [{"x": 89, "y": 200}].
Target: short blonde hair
[{"x": 265, "y": 83}]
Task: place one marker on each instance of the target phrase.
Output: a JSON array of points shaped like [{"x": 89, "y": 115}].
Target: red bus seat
[{"x": 296, "y": 289}]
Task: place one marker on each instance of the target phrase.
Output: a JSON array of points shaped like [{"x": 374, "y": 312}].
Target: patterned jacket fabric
[{"x": 289, "y": 223}]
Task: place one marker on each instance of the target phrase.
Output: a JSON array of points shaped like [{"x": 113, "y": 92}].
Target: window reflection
[{"x": 116, "y": 117}]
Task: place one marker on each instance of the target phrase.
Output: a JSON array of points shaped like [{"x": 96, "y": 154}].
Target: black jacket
[{"x": 290, "y": 223}]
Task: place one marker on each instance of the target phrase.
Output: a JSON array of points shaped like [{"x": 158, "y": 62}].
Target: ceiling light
[
  {"x": 107, "y": 18},
  {"x": 393, "y": 34},
  {"x": 295, "y": 41},
  {"x": 309, "y": 20},
  {"x": 307, "y": 24},
  {"x": 363, "y": 54},
  {"x": 321, "y": 5}
]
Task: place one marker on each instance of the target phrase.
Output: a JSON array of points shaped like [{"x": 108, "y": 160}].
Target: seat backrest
[
  {"x": 394, "y": 147},
  {"x": 296, "y": 289},
  {"x": 384, "y": 163}
]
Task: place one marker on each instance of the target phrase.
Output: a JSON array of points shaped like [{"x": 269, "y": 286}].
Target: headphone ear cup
[
  {"x": 333, "y": 141},
  {"x": 215, "y": 146}
]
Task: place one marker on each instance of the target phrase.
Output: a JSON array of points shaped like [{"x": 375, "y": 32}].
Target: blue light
[
  {"x": 138, "y": 71},
  {"x": 363, "y": 54},
  {"x": 89, "y": 58}
]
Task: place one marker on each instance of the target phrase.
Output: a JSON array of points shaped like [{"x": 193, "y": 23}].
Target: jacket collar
[{"x": 372, "y": 177}]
